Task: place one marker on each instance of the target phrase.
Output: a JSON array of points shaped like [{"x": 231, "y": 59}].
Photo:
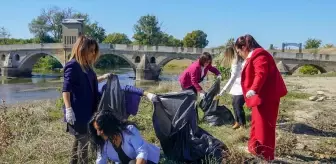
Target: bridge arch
[
  {"x": 122, "y": 56},
  {"x": 168, "y": 59},
  {"x": 31, "y": 59},
  {"x": 320, "y": 68}
]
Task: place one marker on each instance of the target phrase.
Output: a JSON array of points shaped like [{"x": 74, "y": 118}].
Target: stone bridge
[
  {"x": 289, "y": 62},
  {"x": 146, "y": 61}
]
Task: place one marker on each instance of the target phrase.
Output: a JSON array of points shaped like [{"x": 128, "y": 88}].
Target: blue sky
[{"x": 268, "y": 21}]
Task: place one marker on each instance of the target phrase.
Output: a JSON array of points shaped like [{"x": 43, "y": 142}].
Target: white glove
[
  {"x": 250, "y": 93},
  {"x": 219, "y": 77},
  {"x": 106, "y": 75},
  {"x": 70, "y": 116},
  {"x": 202, "y": 95},
  {"x": 151, "y": 96}
]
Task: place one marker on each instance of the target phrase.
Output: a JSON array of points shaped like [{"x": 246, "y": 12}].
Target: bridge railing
[
  {"x": 302, "y": 56},
  {"x": 157, "y": 48},
  {"x": 125, "y": 47},
  {"x": 14, "y": 47}
]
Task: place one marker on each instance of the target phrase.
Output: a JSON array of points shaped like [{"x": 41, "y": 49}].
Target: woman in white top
[
  {"x": 120, "y": 141},
  {"x": 233, "y": 86}
]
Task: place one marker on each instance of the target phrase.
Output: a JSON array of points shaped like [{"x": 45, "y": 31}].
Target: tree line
[{"x": 47, "y": 28}]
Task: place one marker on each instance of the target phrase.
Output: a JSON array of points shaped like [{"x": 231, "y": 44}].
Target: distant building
[{"x": 71, "y": 29}]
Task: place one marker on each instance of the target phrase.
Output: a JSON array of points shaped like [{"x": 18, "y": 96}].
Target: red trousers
[{"x": 262, "y": 133}]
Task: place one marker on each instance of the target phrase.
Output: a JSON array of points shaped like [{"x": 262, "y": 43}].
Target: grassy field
[
  {"x": 34, "y": 132},
  {"x": 176, "y": 66}
]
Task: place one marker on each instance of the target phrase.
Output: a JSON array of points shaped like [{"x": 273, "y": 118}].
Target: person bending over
[
  {"x": 120, "y": 141},
  {"x": 196, "y": 72}
]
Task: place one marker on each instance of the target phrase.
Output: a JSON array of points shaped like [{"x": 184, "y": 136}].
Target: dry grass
[{"x": 35, "y": 133}]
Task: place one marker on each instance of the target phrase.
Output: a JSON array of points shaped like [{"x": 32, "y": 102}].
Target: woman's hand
[
  {"x": 202, "y": 94},
  {"x": 250, "y": 93},
  {"x": 106, "y": 75},
  {"x": 150, "y": 96},
  {"x": 70, "y": 116},
  {"x": 103, "y": 77},
  {"x": 140, "y": 161}
]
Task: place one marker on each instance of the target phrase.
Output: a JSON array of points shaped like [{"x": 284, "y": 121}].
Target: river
[{"x": 46, "y": 86}]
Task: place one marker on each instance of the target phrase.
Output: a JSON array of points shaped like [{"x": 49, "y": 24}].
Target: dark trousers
[
  {"x": 79, "y": 152},
  {"x": 238, "y": 102}
]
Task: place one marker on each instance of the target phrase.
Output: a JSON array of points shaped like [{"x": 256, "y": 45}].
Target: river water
[{"x": 46, "y": 86}]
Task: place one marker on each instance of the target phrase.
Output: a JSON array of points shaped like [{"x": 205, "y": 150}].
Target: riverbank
[{"x": 35, "y": 133}]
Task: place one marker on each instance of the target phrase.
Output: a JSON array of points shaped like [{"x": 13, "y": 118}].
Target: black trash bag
[
  {"x": 214, "y": 114},
  {"x": 175, "y": 125},
  {"x": 218, "y": 115},
  {"x": 113, "y": 98}
]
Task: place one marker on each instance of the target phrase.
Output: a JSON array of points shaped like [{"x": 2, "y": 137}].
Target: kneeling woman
[{"x": 120, "y": 141}]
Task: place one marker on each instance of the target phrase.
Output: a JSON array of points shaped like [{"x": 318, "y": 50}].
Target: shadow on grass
[
  {"x": 300, "y": 128},
  {"x": 311, "y": 159}
]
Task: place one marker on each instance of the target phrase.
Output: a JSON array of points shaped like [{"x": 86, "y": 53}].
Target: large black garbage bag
[
  {"x": 175, "y": 125},
  {"x": 113, "y": 98},
  {"x": 214, "y": 114},
  {"x": 218, "y": 115}
]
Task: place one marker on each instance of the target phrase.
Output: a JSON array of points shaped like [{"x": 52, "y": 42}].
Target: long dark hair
[
  {"x": 248, "y": 41},
  {"x": 109, "y": 124}
]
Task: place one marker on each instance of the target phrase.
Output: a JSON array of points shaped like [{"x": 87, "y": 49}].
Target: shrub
[
  {"x": 226, "y": 72},
  {"x": 309, "y": 69}
]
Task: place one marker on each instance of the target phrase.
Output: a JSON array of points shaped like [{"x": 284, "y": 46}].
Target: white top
[
  {"x": 202, "y": 71},
  {"x": 248, "y": 56},
  {"x": 134, "y": 147},
  {"x": 234, "y": 84}
]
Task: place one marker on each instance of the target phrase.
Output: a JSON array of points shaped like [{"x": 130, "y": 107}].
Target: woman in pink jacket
[{"x": 196, "y": 72}]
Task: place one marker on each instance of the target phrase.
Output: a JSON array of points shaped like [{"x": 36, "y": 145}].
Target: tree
[
  {"x": 169, "y": 40},
  {"x": 4, "y": 34},
  {"x": 147, "y": 31},
  {"x": 95, "y": 31},
  {"x": 50, "y": 21},
  {"x": 312, "y": 43},
  {"x": 230, "y": 42},
  {"x": 117, "y": 38},
  {"x": 328, "y": 46},
  {"x": 49, "y": 24},
  {"x": 197, "y": 39}
]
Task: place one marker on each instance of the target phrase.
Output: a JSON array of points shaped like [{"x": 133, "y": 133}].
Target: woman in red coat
[
  {"x": 195, "y": 73},
  {"x": 263, "y": 87}
]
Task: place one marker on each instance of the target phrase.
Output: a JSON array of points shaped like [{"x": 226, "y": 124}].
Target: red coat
[
  {"x": 192, "y": 75},
  {"x": 261, "y": 74}
]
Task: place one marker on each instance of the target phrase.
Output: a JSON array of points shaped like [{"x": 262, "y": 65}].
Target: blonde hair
[
  {"x": 230, "y": 57},
  {"x": 81, "y": 51}
]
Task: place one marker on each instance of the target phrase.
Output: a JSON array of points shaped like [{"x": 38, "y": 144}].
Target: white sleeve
[{"x": 234, "y": 74}]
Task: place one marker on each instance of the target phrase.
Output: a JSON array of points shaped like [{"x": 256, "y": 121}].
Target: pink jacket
[{"x": 192, "y": 75}]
